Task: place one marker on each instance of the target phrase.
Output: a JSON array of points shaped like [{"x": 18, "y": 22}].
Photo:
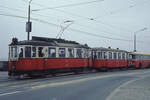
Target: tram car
[
  {"x": 42, "y": 56},
  {"x": 108, "y": 58},
  {"x": 140, "y": 60}
]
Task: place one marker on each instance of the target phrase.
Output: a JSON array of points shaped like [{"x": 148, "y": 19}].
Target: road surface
[{"x": 117, "y": 85}]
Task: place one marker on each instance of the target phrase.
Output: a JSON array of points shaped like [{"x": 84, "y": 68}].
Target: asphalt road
[{"x": 93, "y": 86}]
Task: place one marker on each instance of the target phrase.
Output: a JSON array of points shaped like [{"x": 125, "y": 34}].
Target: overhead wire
[
  {"x": 86, "y": 18},
  {"x": 123, "y": 9},
  {"x": 87, "y": 33},
  {"x": 15, "y": 9},
  {"x": 70, "y": 5},
  {"x": 75, "y": 30},
  {"x": 83, "y": 17}
]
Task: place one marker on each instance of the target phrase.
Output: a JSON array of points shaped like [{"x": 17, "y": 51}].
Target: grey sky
[{"x": 112, "y": 18}]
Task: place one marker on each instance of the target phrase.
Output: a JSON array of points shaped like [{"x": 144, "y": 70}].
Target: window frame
[
  {"x": 72, "y": 52},
  {"x": 29, "y": 54},
  {"x": 54, "y": 48},
  {"x": 79, "y": 56},
  {"x": 110, "y": 55},
  {"x": 63, "y": 54}
]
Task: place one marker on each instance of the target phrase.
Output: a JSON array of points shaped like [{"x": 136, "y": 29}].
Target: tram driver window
[
  {"x": 27, "y": 52},
  {"x": 20, "y": 52},
  {"x": 62, "y": 52},
  {"x": 40, "y": 52},
  {"x": 52, "y": 53},
  {"x": 79, "y": 53},
  {"x": 70, "y": 53},
  {"x": 13, "y": 52}
]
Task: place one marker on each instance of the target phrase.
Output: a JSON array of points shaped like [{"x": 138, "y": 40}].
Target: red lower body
[
  {"x": 40, "y": 64},
  {"x": 110, "y": 63},
  {"x": 141, "y": 63}
]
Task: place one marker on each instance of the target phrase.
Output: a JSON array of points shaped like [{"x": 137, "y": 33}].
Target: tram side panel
[{"x": 57, "y": 63}]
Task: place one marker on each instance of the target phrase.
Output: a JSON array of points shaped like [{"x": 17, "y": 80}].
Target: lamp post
[
  {"x": 28, "y": 23},
  {"x": 135, "y": 33},
  {"x": 64, "y": 28}
]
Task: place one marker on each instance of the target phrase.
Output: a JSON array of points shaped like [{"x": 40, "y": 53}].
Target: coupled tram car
[{"x": 44, "y": 56}]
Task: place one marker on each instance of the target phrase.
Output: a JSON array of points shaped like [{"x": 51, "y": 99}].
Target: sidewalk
[{"x": 133, "y": 90}]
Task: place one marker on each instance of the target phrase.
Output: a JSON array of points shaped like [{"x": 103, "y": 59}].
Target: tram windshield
[{"x": 13, "y": 52}]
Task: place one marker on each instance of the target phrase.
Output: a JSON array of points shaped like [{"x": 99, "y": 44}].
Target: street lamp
[
  {"x": 28, "y": 23},
  {"x": 143, "y": 29},
  {"x": 63, "y": 28}
]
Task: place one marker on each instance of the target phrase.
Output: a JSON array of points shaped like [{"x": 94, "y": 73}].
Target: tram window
[
  {"x": 115, "y": 55},
  {"x": 21, "y": 52},
  {"x": 119, "y": 55},
  {"x": 62, "y": 52},
  {"x": 79, "y": 53},
  {"x": 85, "y": 53},
  {"x": 133, "y": 57},
  {"x": 70, "y": 52},
  {"x": 33, "y": 51},
  {"x": 105, "y": 55},
  {"x": 94, "y": 54},
  {"x": 99, "y": 55},
  {"x": 90, "y": 54},
  {"x": 52, "y": 53},
  {"x": 110, "y": 55},
  {"x": 138, "y": 57},
  {"x": 13, "y": 52},
  {"x": 123, "y": 55},
  {"x": 40, "y": 52},
  {"x": 27, "y": 52}
]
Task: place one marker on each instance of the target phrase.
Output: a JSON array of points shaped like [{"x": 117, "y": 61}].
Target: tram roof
[
  {"x": 42, "y": 41},
  {"x": 108, "y": 49}
]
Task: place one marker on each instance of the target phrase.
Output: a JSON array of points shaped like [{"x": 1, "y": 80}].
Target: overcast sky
[{"x": 99, "y": 23}]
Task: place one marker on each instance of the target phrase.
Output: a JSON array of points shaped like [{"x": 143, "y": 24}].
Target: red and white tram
[
  {"x": 107, "y": 58},
  {"x": 41, "y": 56}
]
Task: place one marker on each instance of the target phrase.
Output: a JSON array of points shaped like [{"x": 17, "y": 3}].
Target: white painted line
[{"x": 10, "y": 93}]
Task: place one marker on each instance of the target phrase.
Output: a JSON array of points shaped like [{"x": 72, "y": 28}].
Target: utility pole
[
  {"x": 134, "y": 42},
  {"x": 135, "y": 33},
  {"x": 28, "y": 23}
]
